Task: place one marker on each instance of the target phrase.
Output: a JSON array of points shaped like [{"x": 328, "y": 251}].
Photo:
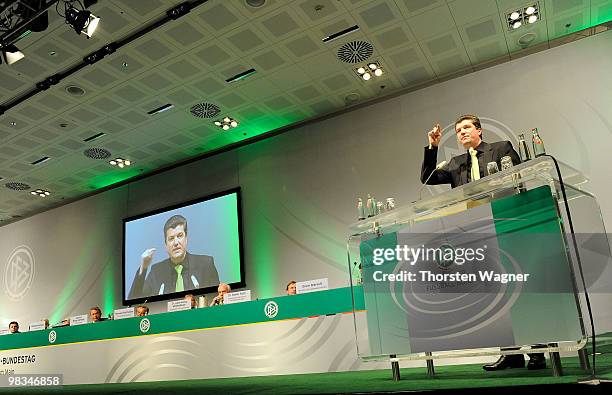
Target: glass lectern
[{"x": 496, "y": 266}]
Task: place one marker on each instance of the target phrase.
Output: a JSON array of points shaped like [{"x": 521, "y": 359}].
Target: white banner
[
  {"x": 37, "y": 326},
  {"x": 237, "y": 297},
  {"x": 120, "y": 314},
  {"x": 178, "y": 305},
  {"x": 78, "y": 320},
  {"x": 303, "y": 287}
]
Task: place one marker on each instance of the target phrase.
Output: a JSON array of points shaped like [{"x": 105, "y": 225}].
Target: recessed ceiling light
[
  {"x": 526, "y": 39},
  {"x": 341, "y": 33},
  {"x": 13, "y": 123},
  {"x": 52, "y": 53},
  {"x": 372, "y": 69},
  {"x": 352, "y": 97},
  {"x": 40, "y": 193},
  {"x": 120, "y": 162},
  {"x": 514, "y": 16},
  {"x": 255, "y": 3},
  {"x": 41, "y": 160},
  {"x": 94, "y": 137},
  {"x": 532, "y": 18},
  {"x": 75, "y": 90},
  {"x": 226, "y": 123},
  {"x": 241, "y": 76},
  {"x": 163, "y": 108},
  {"x": 530, "y": 10}
]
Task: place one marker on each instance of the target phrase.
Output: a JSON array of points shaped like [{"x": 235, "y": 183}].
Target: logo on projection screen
[{"x": 19, "y": 272}]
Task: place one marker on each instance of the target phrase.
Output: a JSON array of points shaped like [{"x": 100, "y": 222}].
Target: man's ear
[{"x": 479, "y": 132}]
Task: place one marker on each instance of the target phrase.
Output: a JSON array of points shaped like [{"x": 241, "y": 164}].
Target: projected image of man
[{"x": 181, "y": 271}]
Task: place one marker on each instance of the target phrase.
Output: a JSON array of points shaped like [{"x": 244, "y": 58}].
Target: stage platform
[{"x": 447, "y": 379}]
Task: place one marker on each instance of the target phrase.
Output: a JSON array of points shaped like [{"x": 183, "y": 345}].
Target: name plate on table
[
  {"x": 4, "y": 332},
  {"x": 78, "y": 320},
  {"x": 179, "y": 305},
  {"x": 237, "y": 297},
  {"x": 311, "y": 285},
  {"x": 37, "y": 326},
  {"x": 120, "y": 314}
]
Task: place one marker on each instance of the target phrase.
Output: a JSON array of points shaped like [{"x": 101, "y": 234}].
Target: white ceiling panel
[{"x": 186, "y": 62}]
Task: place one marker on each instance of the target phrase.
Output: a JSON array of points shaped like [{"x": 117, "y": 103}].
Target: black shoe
[
  {"x": 536, "y": 361},
  {"x": 506, "y": 361}
]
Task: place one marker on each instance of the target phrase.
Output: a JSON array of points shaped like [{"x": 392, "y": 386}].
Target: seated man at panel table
[
  {"x": 14, "y": 327},
  {"x": 95, "y": 314},
  {"x": 222, "y": 289},
  {"x": 291, "y": 288},
  {"x": 181, "y": 271},
  {"x": 465, "y": 168},
  {"x": 192, "y": 300},
  {"x": 142, "y": 311}
]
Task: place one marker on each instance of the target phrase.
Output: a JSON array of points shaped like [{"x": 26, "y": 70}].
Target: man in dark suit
[
  {"x": 14, "y": 327},
  {"x": 182, "y": 271},
  {"x": 95, "y": 314},
  {"x": 469, "y": 167},
  {"x": 459, "y": 169}
]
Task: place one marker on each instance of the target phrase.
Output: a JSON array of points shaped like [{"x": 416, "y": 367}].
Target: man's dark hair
[
  {"x": 473, "y": 118},
  {"x": 14, "y": 322},
  {"x": 173, "y": 222},
  {"x": 290, "y": 282},
  {"x": 96, "y": 308}
]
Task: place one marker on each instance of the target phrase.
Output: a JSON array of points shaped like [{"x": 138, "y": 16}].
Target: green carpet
[{"x": 413, "y": 379}]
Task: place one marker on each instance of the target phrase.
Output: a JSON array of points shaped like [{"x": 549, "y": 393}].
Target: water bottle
[
  {"x": 370, "y": 206},
  {"x": 523, "y": 149},
  {"x": 360, "y": 210},
  {"x": 538, "y": 144}
]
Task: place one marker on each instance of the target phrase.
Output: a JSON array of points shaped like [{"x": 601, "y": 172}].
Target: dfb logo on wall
[
  {"x": 271, "y": 309},
  {"x": 19, "y": 272}
]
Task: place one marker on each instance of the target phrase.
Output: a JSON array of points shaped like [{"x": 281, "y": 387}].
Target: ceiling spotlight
[
  {"x": 82, "y": 21},
  {"x": 527, "y": 14},
  {"x": 372, "y": 69},
  {"x": 120, "y": 162},
  {"x": 10, "y": 54},
  {"x": 40, "y": 192},
  {"x": 227, "y": 123}
]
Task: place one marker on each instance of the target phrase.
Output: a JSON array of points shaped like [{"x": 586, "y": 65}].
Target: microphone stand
[{"x": 438, "y": 167}]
